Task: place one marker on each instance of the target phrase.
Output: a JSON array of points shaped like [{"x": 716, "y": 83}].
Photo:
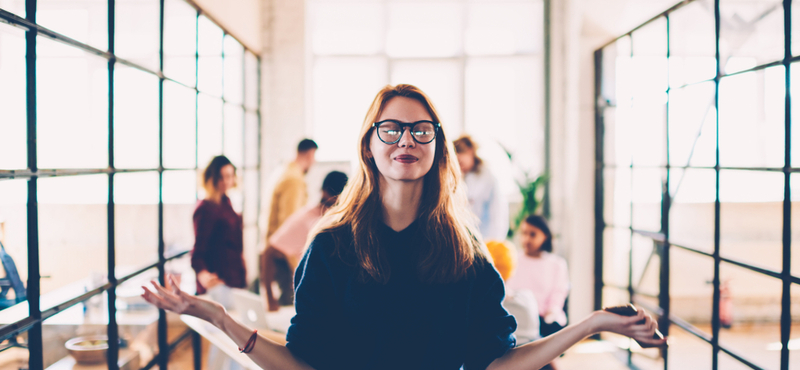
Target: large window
[
  {"x": 110, "y": 112},
  {"x": 697, "y": 185},
  {"x": 480, "y": 62}
]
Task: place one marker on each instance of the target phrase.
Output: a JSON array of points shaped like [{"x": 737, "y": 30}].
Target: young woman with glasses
[{"x": 396, "y": 276}]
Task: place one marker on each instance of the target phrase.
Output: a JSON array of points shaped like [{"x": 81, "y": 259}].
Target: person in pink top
[
  {"x": 543, "y": 273},
  {"x": 289, "y": 241}
]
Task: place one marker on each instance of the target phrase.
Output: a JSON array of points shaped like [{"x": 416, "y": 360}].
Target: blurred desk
[
  {"x": 279, "y": 321},
  {"x": 128, "y": 360}
]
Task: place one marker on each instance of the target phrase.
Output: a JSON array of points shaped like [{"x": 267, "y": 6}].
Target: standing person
[
  {"x": 217, "y": 254},
  {"x": 484, "y": 194},
  {"x": 395, "y": 278},
  {"x": 289, "y": 242},
  {"x": 289, "y": 196}
]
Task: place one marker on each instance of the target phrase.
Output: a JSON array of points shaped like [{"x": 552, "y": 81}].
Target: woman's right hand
[{"x": 172, "y": 298}]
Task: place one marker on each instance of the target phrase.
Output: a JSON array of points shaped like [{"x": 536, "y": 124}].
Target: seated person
[
  {"x": 520, "y": 304},
  {"x": 289, "y": 242},
  {"x": 543, "y": 273}
]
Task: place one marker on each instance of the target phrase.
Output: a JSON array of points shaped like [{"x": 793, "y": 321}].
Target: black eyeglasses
[{"x": 391, "y": 131}]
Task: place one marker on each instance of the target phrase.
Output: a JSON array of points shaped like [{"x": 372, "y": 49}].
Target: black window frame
[
  {"x": 662, "y": 239},
  {"x": 32, "y": 325}
]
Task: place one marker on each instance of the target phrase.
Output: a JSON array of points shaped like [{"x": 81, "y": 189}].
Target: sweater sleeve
[
  {"x": 203, "y": 229},
  {"x": 315, "y": 325},
  {"x": 491, "y": 327},
  {"x": 560, "y": 291}
]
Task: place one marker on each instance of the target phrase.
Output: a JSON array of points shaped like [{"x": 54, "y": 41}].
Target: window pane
[
  {"x": 616, "y": 257},
  {"x": 86, "y": 319},
  {"x": 688, "y": 351},
  {"x": 795, "y": 184},
  {"x": 179, "y": 126},
  {"x": 755, "y": 304},
  {"x": 251, "y": 81},
  {"x": 136, "y": 30},
  {"x": 14, "y": 6},
  {"x": 72, "y": 107},
  {"x": 692, "y": 43},
  {"x": 234, "y": 54},
  {"x": 251, "y": 140},
  {"x": 179, "y": 191},
  {"x": 346, "y": 28},
  {"x": 14, "y": 237},
  {"x": 503, "y": 98},
  {"x": 209, "y": 129},
  {"x": 752, "y": 119},
  {"x": 691, "y": 292},
  {"x": 180, "y": 30},
  {"x": 234, "y": 140},
  {"x": 424, "y": 29},
  {"x": 751, "y": 35},
  {"x": 495, "y": 28},
  {"x": 441, "y": 81},
  {"x": 691, "y": 213},
  {"x": 249, "y": 182},
  {"x": 72, "y": 221},
  {"x": 209, "y": 64},
  {"x": 13, "y": 135},
  {"x": 617, "y": 199},
  {"x": 84, "y": 21},
  {"x": 646, "y": 194},
  {"x": 136, "y": 220},
  {"x": 651, "y": 40},
  {"x": 135, "y": 118},
  {"x": 795, "y": 92},
  {"x": 343, "y": 89},
  {"x": 693, "y": 126},
  {"x": 751, "y": 214}
]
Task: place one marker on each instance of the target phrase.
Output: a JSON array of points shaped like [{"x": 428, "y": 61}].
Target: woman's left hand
[{"x": 640, "y": 327}]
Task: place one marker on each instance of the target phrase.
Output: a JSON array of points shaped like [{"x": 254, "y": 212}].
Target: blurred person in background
[
  {"x": 484, "y": 194},
  {"x": 289, "y": 196},
  {"x": 217, "y": 257},
  {"x": 520, "y": 304},
  {"x": 543, "y": 273},
  {"x": 217, "y": 254},
  {"x": 289, "y": 241}
]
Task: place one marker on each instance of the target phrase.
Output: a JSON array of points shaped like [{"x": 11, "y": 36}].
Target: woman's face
[
  {"x": 405, "y": 160},
  {"x": 228, "y": 179},
  {"x": 531, "y": 238},
  {"x": 466, "y": 160}
]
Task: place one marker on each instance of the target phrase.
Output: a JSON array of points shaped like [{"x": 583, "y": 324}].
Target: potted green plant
[{"x": 532, "y": 190}]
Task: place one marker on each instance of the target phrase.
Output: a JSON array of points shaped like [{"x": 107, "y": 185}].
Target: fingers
[{"x": 167, "y": 296}]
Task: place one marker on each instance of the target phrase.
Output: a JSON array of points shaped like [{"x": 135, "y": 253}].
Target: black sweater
[{"x": 342, "y": 323}]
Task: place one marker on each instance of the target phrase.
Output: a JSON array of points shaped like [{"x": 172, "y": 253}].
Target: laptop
[{"x": 252, "y": 312}]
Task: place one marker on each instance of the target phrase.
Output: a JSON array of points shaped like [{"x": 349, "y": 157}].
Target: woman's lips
[{"x": 406, "y": 158}]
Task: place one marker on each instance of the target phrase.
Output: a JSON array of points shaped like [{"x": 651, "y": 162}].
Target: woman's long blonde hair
[{"x": 448, "y": 225}]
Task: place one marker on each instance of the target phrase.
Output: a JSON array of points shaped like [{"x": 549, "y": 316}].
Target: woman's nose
[{"x": 406, "y": 140}]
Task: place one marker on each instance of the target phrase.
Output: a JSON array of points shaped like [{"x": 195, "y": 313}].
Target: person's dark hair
[
  {"x": 465, "y": 143},
  {"x": 306, "y": 145},
  {"x": 541, "y": 223},
  {"x": 214, "y": 170},
  {"x": 334, "y": 183}
]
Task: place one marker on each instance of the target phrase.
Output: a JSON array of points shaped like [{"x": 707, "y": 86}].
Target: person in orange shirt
[
  {"x": 289, "y": 241},
  {"x": 290, "y": 194}
]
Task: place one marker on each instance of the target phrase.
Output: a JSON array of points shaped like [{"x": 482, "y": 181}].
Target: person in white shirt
[{"x": 484, "y": 194}]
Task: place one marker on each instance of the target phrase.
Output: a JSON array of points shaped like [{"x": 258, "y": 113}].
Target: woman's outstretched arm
[
  {"x": 266, "y": 353},
  {"x": 539, "y": 353}
]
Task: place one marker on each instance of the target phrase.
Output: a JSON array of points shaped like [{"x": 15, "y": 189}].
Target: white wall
[{"x": 240, "y": 18}]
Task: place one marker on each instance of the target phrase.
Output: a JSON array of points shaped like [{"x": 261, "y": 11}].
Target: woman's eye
[{"x": 391, "y": 132}]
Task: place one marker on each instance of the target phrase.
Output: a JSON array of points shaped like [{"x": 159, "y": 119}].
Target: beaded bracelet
[{"x": 250, "y": 343}]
